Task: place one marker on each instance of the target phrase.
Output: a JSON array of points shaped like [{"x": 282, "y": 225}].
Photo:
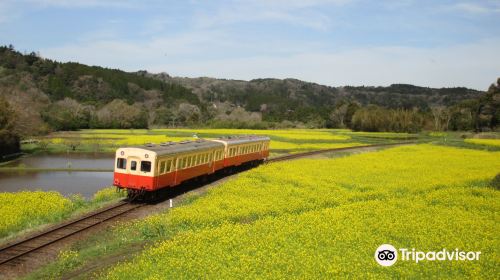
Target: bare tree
[{"x": 339, "y": 114}]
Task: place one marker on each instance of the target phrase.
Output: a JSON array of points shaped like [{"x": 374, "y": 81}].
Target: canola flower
[
  {"x": 487, "y": 142},
  {"x": 25, "y": 209},
  {"x": 288, "y": 140},
  {"x": 324, "y": 218}
]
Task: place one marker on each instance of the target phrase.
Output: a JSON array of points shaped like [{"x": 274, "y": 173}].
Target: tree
[
  {"x": 9, "y": 141},
  {"x": 68, "y": 114},
  {"x": 118, "y": 114},
  {"x": 188, "y": 113},
  {"x": 339, "y": 115}
]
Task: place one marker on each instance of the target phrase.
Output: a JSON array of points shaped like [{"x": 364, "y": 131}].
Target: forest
[{"x": 40, "y": 95}]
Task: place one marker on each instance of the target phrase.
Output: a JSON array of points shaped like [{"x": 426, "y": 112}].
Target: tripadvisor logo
[{"x": 387, "y": 255}]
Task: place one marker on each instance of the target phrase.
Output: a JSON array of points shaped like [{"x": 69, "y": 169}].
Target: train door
[{"x": 133, "y": 168}]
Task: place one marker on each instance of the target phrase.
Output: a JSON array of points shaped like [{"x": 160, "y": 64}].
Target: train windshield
[
  {"x": 145, "y": 166},
  {"x": 121, "y": 163}
]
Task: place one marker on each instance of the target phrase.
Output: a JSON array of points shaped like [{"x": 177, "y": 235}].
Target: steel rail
[{"x": 18, "y": 249}]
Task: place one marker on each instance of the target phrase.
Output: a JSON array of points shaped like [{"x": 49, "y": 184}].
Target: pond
[
  {"x": 81, "y": 160},
  {"x": 67, "y": 183}
]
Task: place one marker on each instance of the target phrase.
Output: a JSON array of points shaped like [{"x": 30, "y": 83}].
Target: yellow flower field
[
  {"x": 487, "y": 142},
  {"x": 324, "y": 218},
  {"x": 289, "y": 140},
  {"x": 25, "y": 209}
]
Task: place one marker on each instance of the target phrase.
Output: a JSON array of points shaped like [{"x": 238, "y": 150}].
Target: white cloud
[
  {"x": 306, "y": 13},
  {"x": 478, "y": 7},
  {"x": 470, "y": 65}
]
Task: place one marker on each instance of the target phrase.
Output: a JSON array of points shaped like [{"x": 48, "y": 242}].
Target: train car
[
  {"x": 243, "y": 149},
  {"x": 153, "y": 167},
  {"x": 150, "y": 168}
]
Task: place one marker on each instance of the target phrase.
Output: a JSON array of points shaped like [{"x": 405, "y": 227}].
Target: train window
[
  {"x": 133, "y": 165},
  {"x": 121, "y": 163},
  {"x": 145, "y": 166},
  {"x": 162, "y": 170},
  {"x": 182, "y": 163},
  {"x": 168, "y": 166}
]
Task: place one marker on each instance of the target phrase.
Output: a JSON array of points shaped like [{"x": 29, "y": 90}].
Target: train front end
[{"x": 134, "y": 170}]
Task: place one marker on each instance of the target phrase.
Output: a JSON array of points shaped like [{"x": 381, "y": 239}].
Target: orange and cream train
[{"x": 150, "y": 168}]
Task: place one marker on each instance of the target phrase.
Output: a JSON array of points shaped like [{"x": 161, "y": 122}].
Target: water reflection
[{"x": 85, "y": 183}]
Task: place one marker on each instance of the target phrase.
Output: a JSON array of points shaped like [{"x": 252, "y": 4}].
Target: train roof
[
  {"x": 199, "y": 144},
  {"x": 242, "y": 139},
  {"x": 179, "y": 147}
]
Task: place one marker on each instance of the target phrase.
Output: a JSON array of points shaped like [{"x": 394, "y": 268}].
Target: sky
[{"x": 435, "y": 43}]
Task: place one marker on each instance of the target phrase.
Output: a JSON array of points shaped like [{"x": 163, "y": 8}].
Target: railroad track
[
  {"x": 12, "y": 253},
  {"x": 306, "y": 154}
]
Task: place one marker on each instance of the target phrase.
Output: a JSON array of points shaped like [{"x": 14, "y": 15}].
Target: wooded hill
[{"x": 45, "y": 95}]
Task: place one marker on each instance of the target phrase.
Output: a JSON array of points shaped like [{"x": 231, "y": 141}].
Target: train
[{"x": 144, "y": 171}]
